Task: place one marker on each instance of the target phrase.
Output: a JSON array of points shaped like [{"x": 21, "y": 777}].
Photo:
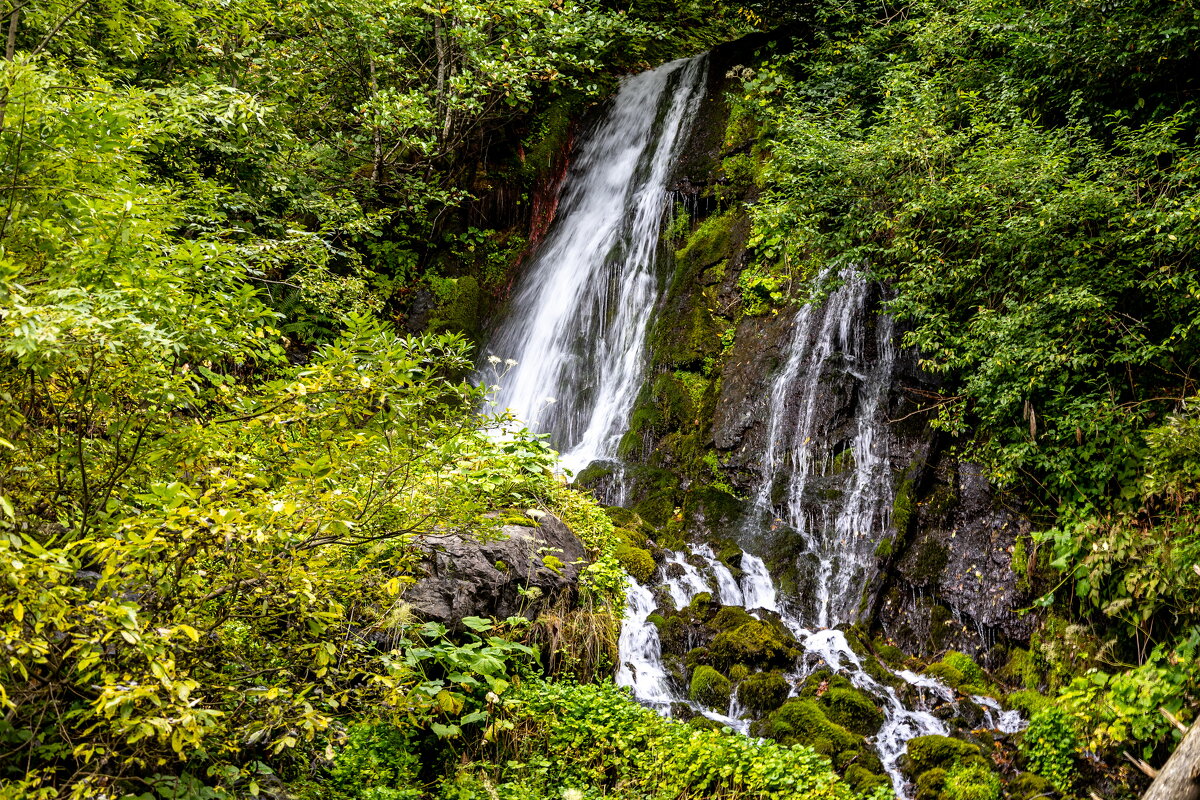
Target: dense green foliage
[{"x": 1023, "y": 177}]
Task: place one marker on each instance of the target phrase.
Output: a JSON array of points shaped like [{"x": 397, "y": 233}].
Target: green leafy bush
[{"x": 1049, "y": 746}]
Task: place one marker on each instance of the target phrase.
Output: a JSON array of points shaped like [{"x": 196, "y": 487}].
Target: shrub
[{"x": 1049, "y": 746}]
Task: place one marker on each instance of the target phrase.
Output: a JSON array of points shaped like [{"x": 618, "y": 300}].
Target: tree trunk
[{"x": 1179, "y": 779}]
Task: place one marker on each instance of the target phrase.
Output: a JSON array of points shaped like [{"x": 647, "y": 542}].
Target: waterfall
[
  {"x": 583, "y": 305},
  {"x": 837, "y": 481}
]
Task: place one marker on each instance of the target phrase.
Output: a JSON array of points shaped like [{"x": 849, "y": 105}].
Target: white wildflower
[
  {"x": 493, "y": 359},
  {"x": 510, "y": 362},
  {"x": 572, "y": 794},
  {"x": 551, "y": 401}
]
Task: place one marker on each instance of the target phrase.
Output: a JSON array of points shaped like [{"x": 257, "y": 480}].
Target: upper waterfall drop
[{"x": 583, "y": 305}]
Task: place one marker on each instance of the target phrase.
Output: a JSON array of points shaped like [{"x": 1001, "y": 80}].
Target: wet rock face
[
  {"x": 519, "y": 574},
  {"x": 951, "y": 583}
]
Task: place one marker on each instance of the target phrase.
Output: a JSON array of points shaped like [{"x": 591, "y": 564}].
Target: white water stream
[{"x": 585, "y": 300}]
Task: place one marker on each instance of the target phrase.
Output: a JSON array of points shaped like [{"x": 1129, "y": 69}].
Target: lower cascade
[{"x": 698, "y": 575}]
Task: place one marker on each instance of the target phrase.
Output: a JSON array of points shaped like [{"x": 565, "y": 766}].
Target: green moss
[
  {"x": 804, "y": 722},
  {"x": 730, "y": 617},
  {"x": 1021, "y": 669},
  {"x": 458, "y": 309},
  {"x": 930, "y": 752},
  {"x": 1027, "y": 701},
  {"x": 863, "y": 781},
  {"x": 1028, "y": 786},
  {"x": 593, "y": 473},
  {"x": 971, "y": 781},
  {"x": 945, "y": 673},
  {"x": 657, "y": 620},
  {"x": 518, "y": 519},
  {"x": 853, "y": 710},
  {"x": 902, "y": 507},
  {"x": 755, "y": 644},
  {"x": 739, "y": 672},
  {"x": 703, "y": 723},
  {"x": 883, "y": 550},
  {"x": 709, "y": 243},
  {"x": 892, "y": 656},
  {"x": 929, "y": 784},
  {"x": 763, "y": 692},
  {"x": 930, "y": 562},
  {"x": 702, "y": 604},
  {"x": 962, "y": 662},
  {"x": 637, "y": 562},
  {"x": 710, "y": 688}
]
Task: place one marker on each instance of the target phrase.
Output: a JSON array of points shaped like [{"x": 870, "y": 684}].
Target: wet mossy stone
[
  {"x": 962, "y": 662},
  {"x": 863, "y": 781},
  {"x": 822, "y": 681},
  {"x": 930, "y": 563},
  {"x": 1028, "y": 786},
  {"x": 637, "y": 562},
  {"x": 931, "y": 752},
  {"x": 755, "y": 644},
  {"x": 702, "y": 605},
  {"x": 593, "y": 473},
  {"x": 657, "y": 620},
  {"x": 730, "y": 617},
  {"x": 945, "y": 673},
  {"x": 853, "y": 710},
  {"x": 763, "y": 692},
  {"x": 971, "y": 781},
  {"x": 623, "y": 517},
  {"x": 710, "y": 688},
  {"x": 701, "y": 722},
  {"x": 739, "y": 672},
  {"x": 892, "y": 656},
  {"x": 929, "y": 784},
  {"x": 673, "y": 635},
  {"x": 1027, "y": 701},
  {"x": 804, "y": 722}
]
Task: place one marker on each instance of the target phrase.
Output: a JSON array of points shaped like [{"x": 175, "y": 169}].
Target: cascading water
[
  {"x": 837, "y": 483},
  {"x": 587, "y": 296}
]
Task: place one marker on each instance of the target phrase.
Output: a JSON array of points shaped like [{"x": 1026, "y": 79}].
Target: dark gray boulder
[{"x": 526, "y": 570}]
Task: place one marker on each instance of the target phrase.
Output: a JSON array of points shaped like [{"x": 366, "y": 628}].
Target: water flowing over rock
[
  {"x": 826, "y": 471},
  {"x": 584, "y": 302}
]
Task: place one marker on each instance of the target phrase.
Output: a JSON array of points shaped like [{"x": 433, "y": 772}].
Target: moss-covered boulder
[
  {"x": 804, "y": 722},
  {"x": 863, "y": 781},
  {"x": 853, "y": 709},
  {"x": 933, "y": 752},
  {"x": 929, "y": 784},
  {"x": 710, "y": 688},
  {"x": 945, "y": 673},
  {"x": 1028, "y": 786},
  {"x": 755, "y": 644},
  {"x": 972, "y": 673},
  {"x": 971, "y": 781},
  {"x": 763, "y": 692},
  {"x": 730, "y": 617},
  {"x": 636, "y": 561},
  {"x": 703, "y": 723}
]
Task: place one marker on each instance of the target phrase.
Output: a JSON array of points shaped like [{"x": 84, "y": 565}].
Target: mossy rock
[
  {"x": 701, "y": 722},
  {"x": 822, "y": 681},
  {"x": 804, "y": 722},
  {"x": 853, "y": 709},
  {"x": 971, "y": 781},
  {"x": 755, "y": 644},
  {"x": 945, "y": 673},
  {"x": 710, "y": 688},
  {"x": 1028, "y": 786},
  {"x": 593, "y": 473},
  {"x": 929, "y": 784},
  {"x": 892, "y": 656},
  {"x": 902, "y": 507},
  {"x": 702, "y": 605},
  {"x": 763, "y": 692},
  {"x": 637, "y": 562},
  {"x": 931, "y": 752},
  {"x": 1027, "y": 701},
  {"x": 863, "y": 781},
  {"x": 458, "y": 311},
  {"x": 962, "y": 662},
  {"x": 1020, "y": 669},
  {"x": 657, "y": 620},
  {"x": 929, "y": 564},
  {"x": 730, "y": 617}
]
